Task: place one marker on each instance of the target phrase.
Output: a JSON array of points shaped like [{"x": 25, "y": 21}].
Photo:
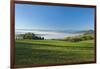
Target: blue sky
[{"x": 53, "y": 17}]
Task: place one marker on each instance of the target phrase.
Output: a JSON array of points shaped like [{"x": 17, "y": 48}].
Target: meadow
[{"x": 43, "y": 52}]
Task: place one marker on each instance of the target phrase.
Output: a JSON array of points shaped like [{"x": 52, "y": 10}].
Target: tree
[
  {"x": 32, "y": 36},
  {"x": 28, "y": 36}
]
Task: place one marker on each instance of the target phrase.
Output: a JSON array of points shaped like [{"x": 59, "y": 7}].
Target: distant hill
[{"x": 86, "y": 31}]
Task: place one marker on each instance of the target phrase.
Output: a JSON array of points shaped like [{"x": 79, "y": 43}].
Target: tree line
[
  {"x": 29, "y": 36},
  {"x": 85, "y": 36}
]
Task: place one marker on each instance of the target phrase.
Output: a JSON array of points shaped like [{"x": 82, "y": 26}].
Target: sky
[{"x": 53, "y": 17}]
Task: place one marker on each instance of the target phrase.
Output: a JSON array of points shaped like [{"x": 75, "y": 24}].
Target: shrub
[
  {"x": 73, "y": 39},
  {"x": 87, "y": 37},
  {"x": 80, "y": 38}
]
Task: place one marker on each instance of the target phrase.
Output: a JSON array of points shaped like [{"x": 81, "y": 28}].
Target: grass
[{"x": 52, "y": 52}]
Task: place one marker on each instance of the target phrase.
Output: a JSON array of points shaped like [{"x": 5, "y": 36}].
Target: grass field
[{"x": 52, "y": 52}]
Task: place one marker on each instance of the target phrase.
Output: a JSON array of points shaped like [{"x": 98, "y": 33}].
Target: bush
[
  {"x": 87, "y": 37},
  {"x": 73, "y": 39},
  {"x": 80, "y": 38},
  {"x": 76, "y": 39}
]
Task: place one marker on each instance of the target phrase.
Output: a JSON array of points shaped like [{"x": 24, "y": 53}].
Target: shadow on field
[{"x": 50, "y": 45}]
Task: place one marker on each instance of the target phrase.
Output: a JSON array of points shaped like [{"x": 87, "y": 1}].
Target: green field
[{"x": 53, "y": 52}]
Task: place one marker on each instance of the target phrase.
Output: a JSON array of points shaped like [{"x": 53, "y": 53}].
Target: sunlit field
[{"x": 53, "y": 52}]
